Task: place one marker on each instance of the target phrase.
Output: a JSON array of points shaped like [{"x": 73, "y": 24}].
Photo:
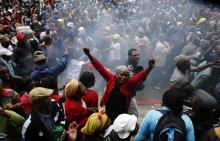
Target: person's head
[
  {"x": 4, "y": 73},
  {"x": 81, "y": 31},
  {"x": 124, "y": 125},
  {"x": 40, "y": 98},
  {"x": 75, "y": 90},
  {"x": 140, "y": 32},
  {"x": 217, "y": 88},
  {"x": 87, "y": 79},
  {"x": 49, "y": 82},
  {"x": 173, "y": 99},
  {"x": 211, "y": 57},
  {"x": 48, "y": 40},
  {"x": 5, "y": 41},
  {"x": 34, "y": 44},
  {"x": 116, "y": 37},
  {"x": 203, "y": 103},
  {"x": 5, "y": 53},
  {"x": 133, "y": 55},
  {"x": 26, "y": 84},
  {"x": 122, "y": 74},
  {"x": 182, "y": 63},
  {"x": 97, "y": 122},
  {"x": 186, "y": 90},
  {"x": 196, "y": 41},
  {"x": 162, "y": 37},
  {"x": 21, "y": 38},
  {"x": 40, "y": 58}
]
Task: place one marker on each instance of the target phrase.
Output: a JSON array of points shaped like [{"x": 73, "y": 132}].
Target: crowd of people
[{"x": 52, "y": 52}]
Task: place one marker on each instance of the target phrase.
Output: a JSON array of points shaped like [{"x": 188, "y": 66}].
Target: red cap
[{"x": 20, "y": 36}]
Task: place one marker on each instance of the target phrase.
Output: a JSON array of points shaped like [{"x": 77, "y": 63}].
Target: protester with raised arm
[{"x": 119, "y": 89}]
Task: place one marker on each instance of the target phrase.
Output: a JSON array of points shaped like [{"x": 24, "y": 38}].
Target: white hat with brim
[{"x": 124, "y": 124}]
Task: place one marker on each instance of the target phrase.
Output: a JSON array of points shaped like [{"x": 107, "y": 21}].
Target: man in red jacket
[{"x": 119, "y": 89}]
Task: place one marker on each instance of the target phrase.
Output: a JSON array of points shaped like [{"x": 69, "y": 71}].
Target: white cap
[
  {"x": 5, "y": 51},
  {"x": 124, "y": 124},
  {"x": 70, "y": 24},
  {"x": 81, "y": 31}
]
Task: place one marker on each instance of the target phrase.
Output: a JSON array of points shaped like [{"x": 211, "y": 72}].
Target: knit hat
[
  {"x": 71, "y": 88},
  {"x": 181, "y": 58},
  {"x": 4, "y": 39},
  {"x": 39, "y": 55},
  {"x": 39, "y": 92},
  {"x": 96, "y": 122}
]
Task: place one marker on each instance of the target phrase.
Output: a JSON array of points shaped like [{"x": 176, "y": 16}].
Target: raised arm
[
  {"x": 61, "y": 66},
  {"x": 98, "y": 66},
  {"x": 142, "y": 75},
  {"x": 203, "y": 67}
]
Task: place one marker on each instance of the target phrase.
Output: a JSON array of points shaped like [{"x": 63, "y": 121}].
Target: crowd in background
[{"x": 50, "y": 51}]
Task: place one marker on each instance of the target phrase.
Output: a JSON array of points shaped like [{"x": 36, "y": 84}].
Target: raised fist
[
  {"x": 151, "y": 63},
  {"x": 86, "y": 51}
]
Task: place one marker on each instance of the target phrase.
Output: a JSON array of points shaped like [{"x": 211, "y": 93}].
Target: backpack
[{"x": 170, "y": 127}]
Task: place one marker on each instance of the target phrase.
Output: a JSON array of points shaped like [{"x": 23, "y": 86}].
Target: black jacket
[
  {"x": 36, "y": 130},
  {"x": 134, "y": 68}
]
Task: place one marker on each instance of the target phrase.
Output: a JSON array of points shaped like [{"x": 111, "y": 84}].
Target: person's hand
[
  {"x": 86, "y": 51},
  {"x": 8, "y": 106},
  {"x": 151, "y": 63},
  {"x": 72, "y": 131},
  {"x": 3, "y": 113},
  {"x": 217, "y": 62}
]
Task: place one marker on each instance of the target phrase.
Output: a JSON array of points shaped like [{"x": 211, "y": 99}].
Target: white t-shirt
[
  {"x": 161, "y": 51},
  {"x": 115, "y": 52}
]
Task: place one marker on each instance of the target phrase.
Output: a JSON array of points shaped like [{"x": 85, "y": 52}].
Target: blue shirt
[
  {"x": 43, "y": 70},
  {"x": 148, "y": 125}
]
